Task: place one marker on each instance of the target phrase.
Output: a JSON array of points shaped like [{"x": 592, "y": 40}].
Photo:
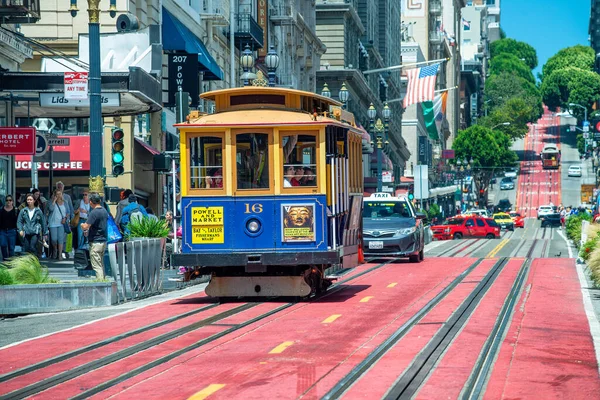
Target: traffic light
[
  {"x": 117, "y": 147},
  {"x": 411, "y": 194}
]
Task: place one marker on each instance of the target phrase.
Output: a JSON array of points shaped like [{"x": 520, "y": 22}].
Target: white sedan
[
  {"x": 544, "y": 210},
  {"x": 575, "y": 170}
]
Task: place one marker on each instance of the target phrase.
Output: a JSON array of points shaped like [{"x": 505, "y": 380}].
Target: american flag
[{"x": 421, "y": 84}]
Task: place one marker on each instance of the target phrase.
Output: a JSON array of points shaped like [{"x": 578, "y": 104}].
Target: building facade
[
  {"x": 362, "y": 37},
  {"x": 14, "y": 51}
]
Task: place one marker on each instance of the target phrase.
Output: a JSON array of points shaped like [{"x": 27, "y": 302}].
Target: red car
[
  {"x": 518, "y": 219},
  {"x": 462, "y": 227}
]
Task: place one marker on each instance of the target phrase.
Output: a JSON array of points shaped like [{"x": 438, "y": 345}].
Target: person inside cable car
[
  {"x": 288, "y": 174},
  {"x": 215, "y": 178},
  {"x": 298, "y": 174},
  {"x": 309, "y": 177}
]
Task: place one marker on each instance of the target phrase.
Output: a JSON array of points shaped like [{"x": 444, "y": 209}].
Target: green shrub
[
  {"x": 5, "y": 277},
  {"x": 147, "y": 228},
  {"x": 28, "y": 270},
  {"x": 587, "y": 248}
]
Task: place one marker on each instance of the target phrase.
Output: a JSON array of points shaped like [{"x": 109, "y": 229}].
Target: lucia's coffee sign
[{"x": 59, "y": 100}]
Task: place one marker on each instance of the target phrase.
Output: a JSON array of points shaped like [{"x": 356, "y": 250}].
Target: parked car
[
  {"x": 510, "y": 172},
  {"x": 504, "y": 206},
  {"x": 550, "y": 220},
  {"x": 392, "y": 227},
  {"x": 505, "y": 221},
  {"x": 544, "y": 210},
  {"x": 518, "y": 219},
  {"x": 477, "y": 213},
  {"x": 507, "y": 184},
  {"x": 464, "y": 227},
  {"x": 575, "y": 170}
]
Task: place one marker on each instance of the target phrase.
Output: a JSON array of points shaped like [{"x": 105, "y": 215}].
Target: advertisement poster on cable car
[{"x": 298, "y": 222}]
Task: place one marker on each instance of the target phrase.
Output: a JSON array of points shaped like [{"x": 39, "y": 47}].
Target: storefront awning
[
  {"x": 148, "y": 147},
  {"x": 176, "y": 37}
]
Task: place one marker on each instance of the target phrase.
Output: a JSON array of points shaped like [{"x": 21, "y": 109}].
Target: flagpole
[
  {"x": 436, "y": 91},
  {"x": 373, "y": 71}
]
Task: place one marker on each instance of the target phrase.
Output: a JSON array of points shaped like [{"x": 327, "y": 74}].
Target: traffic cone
[{"x": 361, "y": 255}]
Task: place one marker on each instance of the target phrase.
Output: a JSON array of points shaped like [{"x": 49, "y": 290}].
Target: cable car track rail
[
  {"x": 358, "y": 371},
  {"x": 139, "y": 347}
]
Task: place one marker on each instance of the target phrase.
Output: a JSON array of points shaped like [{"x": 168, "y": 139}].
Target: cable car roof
[{"x": 212, "y": 95}]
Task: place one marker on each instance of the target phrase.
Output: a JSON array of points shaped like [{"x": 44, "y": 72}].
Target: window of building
[
  {"x": 300, "y": 160},
  {"x": 206, "y": 162},
  {"x": 252, "y": 160}
]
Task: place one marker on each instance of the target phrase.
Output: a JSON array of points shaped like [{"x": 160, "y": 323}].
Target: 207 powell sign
[
  {"x": 17, "y": 141},
  {"x": 183, "y": 75}
]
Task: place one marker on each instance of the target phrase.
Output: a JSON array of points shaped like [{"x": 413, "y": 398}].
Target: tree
[
  {"x": 506, "y": 86},
  {"x": 510, "y": 63},
  {"x": 489, "y": 150},
  {"x": 582, "y": 57},
  {"x": 521, "y": 50},
  {"x": 571, "y": 85},
  {"x": 518, "y": 111}
]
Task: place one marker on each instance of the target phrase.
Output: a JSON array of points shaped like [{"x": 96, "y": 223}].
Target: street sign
[
  {"x": 17, "y": 141},
  {"x": 387, "y": 189},
  {"x": 572, "y": 128},
  {"x": 41, "y": 145},
  {"x": 586, "y": 135},
  {"x": 586, "y": 128},
  {"x": 76, "y": 85},
  {"x": 386, "y": 176},
  {"x": 59, "y": 142}
]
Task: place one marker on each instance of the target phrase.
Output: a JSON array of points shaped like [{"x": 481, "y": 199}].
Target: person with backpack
[{"x": 132, "y": 211}]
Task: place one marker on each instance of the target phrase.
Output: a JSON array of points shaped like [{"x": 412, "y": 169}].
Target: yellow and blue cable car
[{"x": 271, "y": 187}]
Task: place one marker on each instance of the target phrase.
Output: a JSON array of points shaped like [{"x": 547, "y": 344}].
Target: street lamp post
[
  {"x": 96, "y": 158},
  {"x": 272, "y": 62},
  {"x": 344, "y": 95},
  {"x": 325, "y": 92},
  {"x": 247, "y": 62},
  {"x": 504, "y": 124}
]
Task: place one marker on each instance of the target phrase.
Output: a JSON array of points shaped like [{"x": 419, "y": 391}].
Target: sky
[{"x": 547, "y": 25}]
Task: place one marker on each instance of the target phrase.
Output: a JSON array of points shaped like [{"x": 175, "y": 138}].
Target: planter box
[{"x": 30, "y": 299}]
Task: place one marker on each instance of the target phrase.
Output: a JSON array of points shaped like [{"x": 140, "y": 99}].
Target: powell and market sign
[{"x": 59, "y": 100}]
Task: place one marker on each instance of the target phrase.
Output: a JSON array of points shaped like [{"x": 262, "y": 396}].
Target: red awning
[{"x": 145, "y": 145}]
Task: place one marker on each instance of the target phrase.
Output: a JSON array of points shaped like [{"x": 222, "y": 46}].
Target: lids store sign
[{"x": 60, "y": 100}]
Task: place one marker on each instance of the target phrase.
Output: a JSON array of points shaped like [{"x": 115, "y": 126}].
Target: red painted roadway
[
  {"x": 548, "y": 352},
  {"x": 305, "y": 350},
  {"x": 537, "y": 186}
]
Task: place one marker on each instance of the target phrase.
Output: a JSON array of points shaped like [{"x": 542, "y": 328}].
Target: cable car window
[
  {"x": 252, "y": 160},
  {"x": 206, "y": 162},
  {"x": 300, "y": 160}
]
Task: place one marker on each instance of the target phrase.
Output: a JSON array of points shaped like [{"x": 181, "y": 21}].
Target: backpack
[{"x": 134, "y": 213}]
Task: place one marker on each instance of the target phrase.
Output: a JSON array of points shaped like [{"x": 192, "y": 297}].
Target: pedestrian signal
[{"x": 117, "y": 147}]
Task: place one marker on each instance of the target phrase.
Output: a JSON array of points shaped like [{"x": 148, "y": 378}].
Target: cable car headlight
[{"x": 253, "y": 226}]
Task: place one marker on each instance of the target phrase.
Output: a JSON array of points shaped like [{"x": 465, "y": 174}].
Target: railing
[
  {"x": 20, "y": 8},
  {"x": 247, "y": 25},
  {"x": 436, "y": 37},
  {"x": 435, "y": 7},
  {"x": 136, "y": 267}
]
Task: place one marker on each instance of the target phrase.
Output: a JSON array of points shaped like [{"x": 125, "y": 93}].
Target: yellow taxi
[{"x": 505, "y": 221}]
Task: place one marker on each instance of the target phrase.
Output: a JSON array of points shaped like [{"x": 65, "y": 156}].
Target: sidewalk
[{"x": 65, "y": 271}]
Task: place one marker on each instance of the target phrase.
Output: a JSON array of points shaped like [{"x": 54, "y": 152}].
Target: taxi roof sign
[{"x": 381, "y": 195}]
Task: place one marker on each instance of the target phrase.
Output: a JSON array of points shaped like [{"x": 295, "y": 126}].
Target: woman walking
[
  {"x": 8, "y": 227},
  {"x": 57, "y": 212},
  {"x": 31, "y": 225}
]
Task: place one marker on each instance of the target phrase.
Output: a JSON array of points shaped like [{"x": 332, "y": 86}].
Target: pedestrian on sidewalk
[
  {"x": 83, "y": 210},
  {"x": 96, "y": 230},
  {"x": 57, "y": 217},
  {"x": 31, "y": 225},
  {"x": 8, "y": 227}
]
